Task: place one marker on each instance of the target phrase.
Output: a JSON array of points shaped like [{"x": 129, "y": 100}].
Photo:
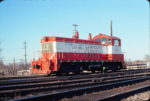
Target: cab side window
[
  {"x": 103, "y": 40},
  {"x": 47, "y": 47},
  {"x": 98, "y": 39},
  {"x": 116, "y": 42},
  {"x": 109, "y": 41}
]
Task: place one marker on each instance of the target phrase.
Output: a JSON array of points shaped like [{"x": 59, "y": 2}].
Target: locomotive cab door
[
  {"x": 109, "y": 49},
  {"x": 114, "y": 49}
]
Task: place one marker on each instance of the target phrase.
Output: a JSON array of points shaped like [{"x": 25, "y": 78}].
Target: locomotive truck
[{"x": 64, "y": 55}]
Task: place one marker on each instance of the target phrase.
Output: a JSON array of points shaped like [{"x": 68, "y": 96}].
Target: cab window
[
  {"x": 47, "y": 47},
  {"x": 103, "y": 40},
  {"x": 116, "y": 42},
  {"x": 98, "y": 39},
  {"x": 109, "y": 41}
]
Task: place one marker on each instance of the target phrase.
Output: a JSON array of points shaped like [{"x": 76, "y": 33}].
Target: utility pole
[
  {"x": 34, "y": 55},
  {"x": 111, "y": 29},
  {"x": 14, "y": 67},
  {"x": 0, "y": 53},
  {"x": 148, "y": 63},
  {"x": 75, "y": 27},
  {"x": 1, "y": 1},
  {"x": 149, "y": 26},
  {"x": 0, "y": 49},
  {"x": 25, "y": 55}
]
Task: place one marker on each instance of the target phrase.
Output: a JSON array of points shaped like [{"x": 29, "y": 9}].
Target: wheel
[
  {"x": 59, "y": 73},
  {"x": 49, "y": 74},
  {"x": 81, "y": 69},
  {"x": 67, "y": 73},
  {"x": 93, "y": 71},
  {"x": 104, "y": 69}
]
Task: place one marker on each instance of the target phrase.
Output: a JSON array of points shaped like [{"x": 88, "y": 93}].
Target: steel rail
[
  {"x": 36, "y": 76},
  {"x": 22, "y": 86},
  {"x": 75, "y": 92},
  {"x": 33, "y": 80},
  {"x": 119, "y": 96},
  {"x": 21, "y": 77},
  {"x": 23, "y": 92}
]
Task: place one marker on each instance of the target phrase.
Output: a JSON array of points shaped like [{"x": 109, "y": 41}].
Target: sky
[{"x": 30, "y": 20}]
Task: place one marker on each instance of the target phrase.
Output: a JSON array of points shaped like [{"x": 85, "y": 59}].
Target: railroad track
[
  {"x": 81, "y": 91},
  {"x": 114, "y": 94},
  {"x": 64, "y": 84},
  {"x": 40, "y": 76},
  {"x": 21, "y": 77},
  {"x": 38, "y": 79}
]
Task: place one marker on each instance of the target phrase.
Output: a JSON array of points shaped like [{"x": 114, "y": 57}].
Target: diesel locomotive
[{"x": 64, "y": 55}]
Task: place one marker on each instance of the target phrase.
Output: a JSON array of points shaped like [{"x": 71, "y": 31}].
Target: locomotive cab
[{"x": 111, "y": 48}]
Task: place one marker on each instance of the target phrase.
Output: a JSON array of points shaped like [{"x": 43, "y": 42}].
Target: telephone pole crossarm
[{"x": 75, "y": 27}]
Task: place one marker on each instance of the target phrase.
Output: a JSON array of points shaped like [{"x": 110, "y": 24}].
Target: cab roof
[{"x": 105, "y": 36}]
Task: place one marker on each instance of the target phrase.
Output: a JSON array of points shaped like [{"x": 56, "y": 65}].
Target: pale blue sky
[{"x": 29, "y": 20}]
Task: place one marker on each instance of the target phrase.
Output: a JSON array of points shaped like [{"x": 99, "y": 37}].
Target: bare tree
[{"x": 147, "y": 58}]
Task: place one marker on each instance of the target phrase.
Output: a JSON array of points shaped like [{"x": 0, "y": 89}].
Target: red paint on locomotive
[{"x": 60, "y": 54}]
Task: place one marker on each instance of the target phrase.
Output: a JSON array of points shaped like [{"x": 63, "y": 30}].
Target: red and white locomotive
[{"x": 64, "y": 55}]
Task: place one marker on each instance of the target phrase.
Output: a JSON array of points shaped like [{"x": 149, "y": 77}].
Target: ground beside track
[
  {"x": 144, "y": 96},
  {"x": 110, "y": 92}
]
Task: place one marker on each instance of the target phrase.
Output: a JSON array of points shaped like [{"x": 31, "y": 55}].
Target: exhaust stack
[
  {"x": 76, "y": 33},
  {"x": 111, "y": 29},
  {"x": 90, "y": 36}
]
